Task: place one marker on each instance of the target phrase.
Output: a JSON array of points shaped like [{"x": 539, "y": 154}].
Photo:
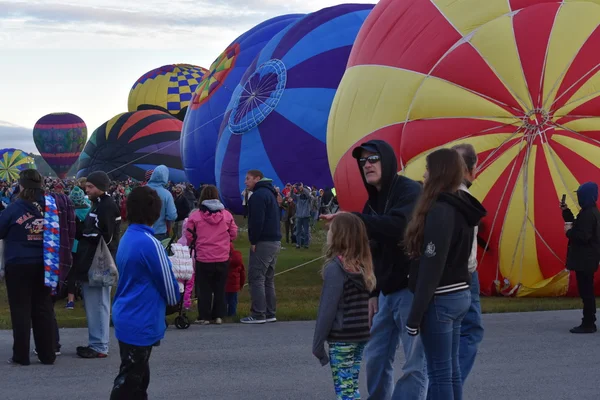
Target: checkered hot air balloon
[
  {"x": 168, "y": 88},
  {"x": 517, "y": 79},
  {"x": 277, "y": 118},
  {"x": 205, "y": 113}
]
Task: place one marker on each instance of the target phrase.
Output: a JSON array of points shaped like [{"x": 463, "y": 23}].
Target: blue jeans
[
  {"x": 302, "y": 227},
  {"x": 232, "y": 301},
  {"x": 97, "y": 312},
  {"x": 441, "y": 340},
  {"x": 471, "y": 331},
  {"x": 389, "y": 325}
]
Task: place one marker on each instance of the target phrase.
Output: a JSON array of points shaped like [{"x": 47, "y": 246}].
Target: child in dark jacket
[
  {"x": 343, "y": 317},
  {"x": 235, "y": 280},
  {"x": 146, "y": 285}
]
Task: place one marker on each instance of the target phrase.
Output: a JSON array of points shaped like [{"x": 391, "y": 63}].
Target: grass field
[{"x": 298, "y": 290}]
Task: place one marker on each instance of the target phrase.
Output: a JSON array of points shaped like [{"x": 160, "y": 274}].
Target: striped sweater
[{"x": 343, "y": 311}]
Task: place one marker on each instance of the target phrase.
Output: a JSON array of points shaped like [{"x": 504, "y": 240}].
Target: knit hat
[
  {"x": 77, "y": 197},
  {"x": 99, "y": 179}
]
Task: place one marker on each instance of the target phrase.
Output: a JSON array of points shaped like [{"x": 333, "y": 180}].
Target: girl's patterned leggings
[{"x": 345, "y": 359}]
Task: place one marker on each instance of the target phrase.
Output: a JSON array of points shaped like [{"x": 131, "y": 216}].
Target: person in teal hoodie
[
  {"x": 168, "y": 211},
  {"x": 146, "y": 285},
  {"x": 82, "y": 209}
]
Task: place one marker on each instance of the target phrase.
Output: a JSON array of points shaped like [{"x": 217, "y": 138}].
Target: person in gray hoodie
[
  {"x": 168, "y": 212},
  {"x": 304, "y": 200},
  {"x": 343, "y": 317}
]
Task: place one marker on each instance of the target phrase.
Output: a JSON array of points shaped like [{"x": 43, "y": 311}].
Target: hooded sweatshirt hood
[
  {"x": 587, "y": 195},
  {"x": 466, "y": 205},
  {"x": 160, "y": 176},
  {"x": 389, "y": 172},
  {"x": 213, "y": 205},
  {"x": 267, "y": 184}
]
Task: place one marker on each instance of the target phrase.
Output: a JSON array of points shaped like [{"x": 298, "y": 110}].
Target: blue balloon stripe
[
  {"x": 254, "y": 155},
  {"x": 308, "y": 109},
  {"x": 338, "y": 32}
]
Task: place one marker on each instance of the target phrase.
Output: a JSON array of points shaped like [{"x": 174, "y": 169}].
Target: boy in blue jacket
[{"x": 146, "y": 285}]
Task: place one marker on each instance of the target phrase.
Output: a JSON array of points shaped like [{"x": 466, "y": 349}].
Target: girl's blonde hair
[{"x": 349, "y": 240}]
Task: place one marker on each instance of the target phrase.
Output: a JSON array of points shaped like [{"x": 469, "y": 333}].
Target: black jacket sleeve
[
  {"x": 256, "y": 216},
  {"x": 439, "y": 225},
  {"x": 568, "y": 215},
  {"x": 583, "y": 230}
]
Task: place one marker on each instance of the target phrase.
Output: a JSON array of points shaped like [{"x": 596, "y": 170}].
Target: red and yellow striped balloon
[{"x": 518, "y": 79}]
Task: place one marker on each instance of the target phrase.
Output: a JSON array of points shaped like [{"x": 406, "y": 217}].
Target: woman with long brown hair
[
  {"x": 440, "y": 237},
  {"x": 211, "y": 229},
  {"x": 343, "y": 317}
]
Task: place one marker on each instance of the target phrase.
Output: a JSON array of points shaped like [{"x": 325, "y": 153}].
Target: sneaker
[
  {"x": 201, "y": 322},
  {"x": 57, "y": 352},
  {"x": 218, "y": 321},
  {"x": 252, "y": 320},
  {"x": 70, "y": 305},
  {"x": 272, "y": 319},
  {"x": 584, "y": 329},
  {"x": 88, "y": 352}
]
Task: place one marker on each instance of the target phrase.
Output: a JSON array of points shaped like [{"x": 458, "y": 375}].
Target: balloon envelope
[
  {"x": 526, "y": 100},
  {"x": 131, "y": 143},
  {"x": 12, "y": 162},
  {"x": 205, "y": 113},
  {"x": 168, "y": 88},
  {"x": 277, "y": 118},
  {"x": 60, "y": 138}
]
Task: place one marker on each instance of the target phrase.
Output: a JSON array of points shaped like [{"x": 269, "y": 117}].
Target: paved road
[{"x": 527, "y": 356}]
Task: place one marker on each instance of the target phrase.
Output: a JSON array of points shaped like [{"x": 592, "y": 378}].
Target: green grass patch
[{"x": 298, "y": 291}]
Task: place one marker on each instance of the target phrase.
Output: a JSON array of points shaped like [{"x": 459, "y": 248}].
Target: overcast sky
[{"x": 83, "y": 56}]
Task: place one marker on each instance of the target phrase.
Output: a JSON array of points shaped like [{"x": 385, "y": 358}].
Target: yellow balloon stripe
[
  {"x": 573, "y": 25},
  {"x": 562, "y": 178},
  {"x": 584, "y": 150},
  {"x": 518, "y": 251},
  {"x": 438, "y": 98},
  {"x": 496, "y": 43},
  {"x": 416, "y": 166},
  {"x": 587, "y": 92},
  {"x": 377, "y": 86},
  {"x": 467, "y": 15},
  {"x": 14, "y": 156},
  {"x": 111, "y": 123},
  {"x": 584, "y": 124},
  {"x": 556, "y": 286}
]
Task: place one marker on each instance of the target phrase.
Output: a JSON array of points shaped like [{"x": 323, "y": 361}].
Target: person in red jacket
[{"x": 235, "y": 280}]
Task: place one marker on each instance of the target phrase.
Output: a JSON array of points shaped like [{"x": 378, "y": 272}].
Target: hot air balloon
[
  {"x": 12, "y": 162},
  {"x": 168, "y": 88},
  {"x": 476, "y": 72},
  {"x": 205, "y": 113},
  {"x": 60, "y": 138},
  {"x": 277, "y": 118},
  {"x": 131, "y": 143}
]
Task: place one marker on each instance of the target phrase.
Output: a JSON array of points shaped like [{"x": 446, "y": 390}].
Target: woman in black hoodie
[{"x": 440, "y": 237}]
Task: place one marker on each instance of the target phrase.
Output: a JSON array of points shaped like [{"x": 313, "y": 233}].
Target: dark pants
[
  {"x": 134, "y": 373},
  {"x": 585, "y": 284},
  {"x": 232, "y": 302},
  {"x": 211, "y": 279},
  {"x": 30, "y": 306},
  {"x": 288, "y": 228},
  {"x": 56, "y": 332}
]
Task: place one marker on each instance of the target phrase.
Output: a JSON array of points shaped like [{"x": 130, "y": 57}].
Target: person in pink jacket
[{"x": 212, "y": 229}]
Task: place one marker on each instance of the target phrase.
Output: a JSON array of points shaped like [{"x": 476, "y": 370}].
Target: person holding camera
[{"x": 583, "y": 253}]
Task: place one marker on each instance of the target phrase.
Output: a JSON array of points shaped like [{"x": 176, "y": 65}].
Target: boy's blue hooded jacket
[
  {"x": 146, "y": 285},
  {"x": 158, "y": 181}
]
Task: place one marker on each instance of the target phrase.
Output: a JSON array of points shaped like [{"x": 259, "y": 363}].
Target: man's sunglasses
[{"x": 371, "y": 159}]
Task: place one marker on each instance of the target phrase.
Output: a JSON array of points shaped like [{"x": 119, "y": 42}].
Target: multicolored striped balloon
[
  {"x": 517, "y": 79},
  {"x": 132, "y": 143},
  {"x": 205, "y": 114},
  {"x": 168, "y": 88},
  {"x": 12, "y": 162},
  {"x": 60, "y": 138},
  {"x": 277, "y": 118}
]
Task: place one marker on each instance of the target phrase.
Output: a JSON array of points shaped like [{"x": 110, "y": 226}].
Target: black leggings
[
  {"x": 134, "y": 374},
  {"x": 30, "y": 306},
  {"x": 210, "y": 281}
]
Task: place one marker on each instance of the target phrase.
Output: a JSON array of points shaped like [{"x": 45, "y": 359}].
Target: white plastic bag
[
  {"x": 182, "y": 262},
  {"x": 103, "y": 272}
]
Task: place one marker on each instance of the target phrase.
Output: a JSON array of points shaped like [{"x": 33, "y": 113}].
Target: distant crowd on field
[{"x": 401, "y": 271}]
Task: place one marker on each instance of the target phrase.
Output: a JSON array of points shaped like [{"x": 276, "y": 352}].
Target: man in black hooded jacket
[{"x": 386, "y": 215}]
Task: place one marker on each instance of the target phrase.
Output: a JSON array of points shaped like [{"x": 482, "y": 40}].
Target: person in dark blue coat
[{"x": 22, "y": 229}]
